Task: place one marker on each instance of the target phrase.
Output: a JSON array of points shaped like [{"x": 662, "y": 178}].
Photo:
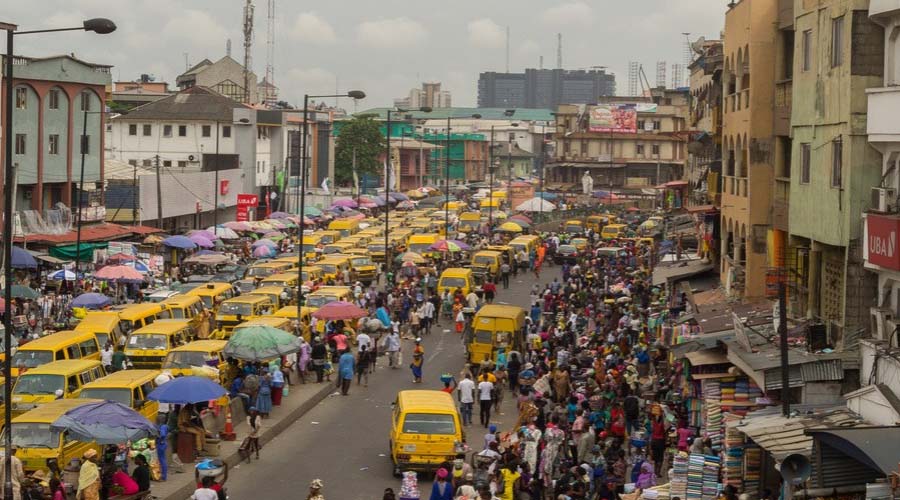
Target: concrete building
[
  {"x": 512, "y": 161},
  {"x": 544, "y": 88},
  {"x": 129, "y": 95},
  {"x": 749, "y": 46},
  {"x": 55, "y": 98},
  {"x": 225, "y": 76},
  {"x": 430, "y": 95},
  {"x": 838, "y": 54},
  {"x": 648, "y": 150},
  {"x": 881, "y": 224},
  {"x": 468, "y": 156}
]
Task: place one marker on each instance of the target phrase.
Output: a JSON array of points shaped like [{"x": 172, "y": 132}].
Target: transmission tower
[
  {"x": 559, "y": 51},
  {"x": 633, "y": 75},
  {"x": 248, "y": 43},
  {"x": 677, "y": 76},
  {"x": 661, "y": 74},
  {"x": 269, "y": 98}
]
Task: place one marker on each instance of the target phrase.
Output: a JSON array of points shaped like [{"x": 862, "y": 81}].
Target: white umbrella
[
  {"x": 536, "y": 205},
  {"x": 224, "y": 233}
]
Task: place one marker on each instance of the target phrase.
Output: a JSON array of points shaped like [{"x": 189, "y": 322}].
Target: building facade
[
  {"x": 649, "y": 153},
  {"x": 544, "y": 88},
  {"x": 429, "y": 95},
  {"x": 56, "y": 99},
  {"x": 225, "y": 76},
  {"x": 839, "y": 53},
  {"x": 468, "y": 155}
]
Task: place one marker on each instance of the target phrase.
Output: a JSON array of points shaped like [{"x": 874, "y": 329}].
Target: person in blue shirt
[{"x": 346, "y": 369}]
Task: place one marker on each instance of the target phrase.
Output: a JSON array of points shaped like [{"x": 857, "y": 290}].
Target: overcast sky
[{"x": 384, "y": 47}]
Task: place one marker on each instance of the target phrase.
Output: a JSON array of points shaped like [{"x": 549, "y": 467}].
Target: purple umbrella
[
  {"x": 264, "y": 243},
  {"x": 91, "y": 301},
  {"x": 461, "y": 244},
  {"x": 201, "y": 241},
  {"x": 104, "y": 422},
  {"x": 263, "y": 252},
  {"x": 279, "y": 215},
  {"x": 344, "y": 202},
  {"x": 181, "y": 242}
]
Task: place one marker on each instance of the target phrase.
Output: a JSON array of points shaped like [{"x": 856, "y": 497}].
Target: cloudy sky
[{"x": 383, "y": 47}]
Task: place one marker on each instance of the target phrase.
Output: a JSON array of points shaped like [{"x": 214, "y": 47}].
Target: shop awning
[
  {"x": 874, "y": 446},
  {"x": 782, "y": 436},
  {"x": 666, "y": 274},
  {"x": 707, "y": 357}
]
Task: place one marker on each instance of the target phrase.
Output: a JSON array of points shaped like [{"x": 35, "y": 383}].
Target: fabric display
[
  {"x": 678, "y": 481},
  {"x": 702, "y": 477},
  {"x": 714, "y": 424},
  {"x": 710, "y": 477},
  {"x": 752, "y": 470}
]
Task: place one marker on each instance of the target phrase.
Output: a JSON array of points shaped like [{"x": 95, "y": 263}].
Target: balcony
[
  {"x": 884, "y": 107},
  {"x": 736, "y": 186}
]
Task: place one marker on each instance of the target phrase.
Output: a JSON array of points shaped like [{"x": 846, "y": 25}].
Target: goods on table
[{"x": 409, "y": 486}]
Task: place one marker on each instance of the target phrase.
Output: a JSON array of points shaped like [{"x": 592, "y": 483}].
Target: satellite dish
[{"x": 795, "y": 469}]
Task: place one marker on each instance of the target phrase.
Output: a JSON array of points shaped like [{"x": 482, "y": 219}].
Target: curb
[{"x": 268, "y": 434}]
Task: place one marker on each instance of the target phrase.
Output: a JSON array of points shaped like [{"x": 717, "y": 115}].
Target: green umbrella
[
  {"x": 22, "y": 291},
  {"x": 260, "y": 343},
  {"x": 312, "y": 211}
]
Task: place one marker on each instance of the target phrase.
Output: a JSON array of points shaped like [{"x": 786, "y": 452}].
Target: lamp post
[
  {"x": 84, "y": 145},
  {"x": 353, "y": 94},
  {"x": 100, "y": 26},
  {"x": 495, "y": 164},
  {"x": 387, "y": 189}
]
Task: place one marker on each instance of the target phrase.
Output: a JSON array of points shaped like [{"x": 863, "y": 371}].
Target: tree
[{"x": 362, "y": 134}]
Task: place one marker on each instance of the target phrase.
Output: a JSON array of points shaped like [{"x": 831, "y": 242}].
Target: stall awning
[
  {"x": 666, "y": 274},
  {"x": 707, "y": 357},
  {"x": 875, "y": 447}
]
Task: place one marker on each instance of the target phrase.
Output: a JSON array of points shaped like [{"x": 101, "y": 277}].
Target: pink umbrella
[
  {"x": 238, "y": 226},
  {"x": 120, "y": 257},
  {"x": 368, "y": 204},
  {"x": 118, "y": 273},
  {"x": 204, "y": 233},
  {"x": 201, "y": 241},
  {"x": 520, "y": 217},
  {"x": 263, "y": 252},
  {"x": 340, "y": 310},
  {"x": 344, "y": 202}
]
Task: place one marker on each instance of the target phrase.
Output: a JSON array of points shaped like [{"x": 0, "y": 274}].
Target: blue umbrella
[
  {"x": 91, "y": 301},
  {"x": 264, "y": 242},
  {"x": 180, "y": 242},
  {"x": 187, "y": 390},
  {"x": 104, "y": 422},
  {"x": 399, "y": 196},
  {"x": 21, "y": 259},
  {"x": 139, "y": 267},
  {"x": 63, "y": 274}
]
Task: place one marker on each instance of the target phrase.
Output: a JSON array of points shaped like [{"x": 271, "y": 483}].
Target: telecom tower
[
  {"x": 661, "y": 74},
  {"x": 688, "y": 57},
  {"x": 634, "y": 69},
  {"x": 248, "y": 43},
  {"x": 269, "y": 98},
  {"x": 677, "y": 76},
  {"x": 559, "y": 51}
]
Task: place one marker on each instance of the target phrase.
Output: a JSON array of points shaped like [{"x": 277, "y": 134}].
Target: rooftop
[
  {"x": 193, "y": 103},
  {"x": 522, "y": 114}
]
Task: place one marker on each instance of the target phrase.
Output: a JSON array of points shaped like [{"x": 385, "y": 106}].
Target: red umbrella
[
  {"x": 521, "y": 217},
  {"x": 116, "y": 273},
  {"x": 120, "y": 256},
  {"x": 340, "y": 310}
]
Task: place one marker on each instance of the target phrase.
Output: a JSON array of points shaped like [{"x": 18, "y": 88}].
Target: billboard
[
  {"x": 613, "y": 118},
  {"x": 881, "y": 241}
]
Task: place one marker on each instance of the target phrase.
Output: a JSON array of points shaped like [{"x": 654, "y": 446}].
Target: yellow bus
[
  {"x": 426, "y": 430},
  {"x": 421, "y": 243},
  {"x": 147, "y": 347},
  {"x": 345, "y": 227},
  {"x": 263, "y": 269},
  {"x": 456, "y": 278},
  {"x": 334, "y": 266},
  {"x": 495, "y": 327},
  {"x": 38, "y": 446},
  {"x": 188, "y": 307},
  {"x": 327, "y": 294},
  {"x": 279, "y": 296},
  {"x": 140, "y": 315},
  {"x": 469, "y": 222},
  {"x": 309, "y": 244},
  {"x": 212, "y": 294},
  {"x": 103, "y": 324},
  {"x": 199, "y": 353},
  {"x": 239, "y": 309},
  {"x": 328, "y": 237},
  {"x": 41, "y": 385},
  {"x": 67, "y": 344},
  {"x": 129, "y": 387}
]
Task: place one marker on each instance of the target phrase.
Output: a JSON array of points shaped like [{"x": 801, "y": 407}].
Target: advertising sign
[
  {"x": 613, "y": 118},
  {"x": 244, "y": 203},
  {"x": 881, "y": 241}
]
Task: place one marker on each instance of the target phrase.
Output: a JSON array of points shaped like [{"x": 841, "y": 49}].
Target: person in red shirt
[
  {"x": 657, "y": 441},
  {"x": 490, "y": 289},
  {"x": 449, "y": 385}
]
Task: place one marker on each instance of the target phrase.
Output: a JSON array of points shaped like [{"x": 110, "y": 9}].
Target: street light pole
[
  {"x": 447, "y": 183},
  {"x": 100, "y": 26},
  {"x": 491, "y": 187},
  {"x": 387, "y": 202},
  {"x": 216, "y": 196}
]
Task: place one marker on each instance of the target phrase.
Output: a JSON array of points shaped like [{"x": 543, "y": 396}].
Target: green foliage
[{"x": 362, "y": 134}]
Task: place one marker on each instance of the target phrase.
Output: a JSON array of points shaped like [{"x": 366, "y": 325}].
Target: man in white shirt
[
  {"x": 466, "y": 392},
  {"x": 472, "y": 299},
  {"x": 392, "y": 346},
  {"x": 427, "y": 315},
  {"x": 106, "y": 356},
  {"x": 364, "y": 340},
  {"x": 485, "y": 401}
]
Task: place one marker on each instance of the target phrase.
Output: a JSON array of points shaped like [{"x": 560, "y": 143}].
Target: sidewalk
[{"x": 302, "y": 398}]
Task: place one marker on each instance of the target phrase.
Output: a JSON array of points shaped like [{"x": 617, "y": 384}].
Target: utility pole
[
  {"x": 134, "y": 197},
  {"x": 159, "y": 218},
  {"x": 782, "y": 335}
]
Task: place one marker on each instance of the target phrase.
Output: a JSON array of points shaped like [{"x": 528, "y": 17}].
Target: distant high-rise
[
  {"x": 543, "y": 88},
  {"x": 429, "y": 95}
]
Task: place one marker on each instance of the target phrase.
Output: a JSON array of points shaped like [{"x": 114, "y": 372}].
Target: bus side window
[
  {"x": 72, "y": 383},
  {"x": 73, "y": 351},
  {"x": 60, "y": 355}
]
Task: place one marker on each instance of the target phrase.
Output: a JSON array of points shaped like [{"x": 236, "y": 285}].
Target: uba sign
[{"x": 881, "y": 241}]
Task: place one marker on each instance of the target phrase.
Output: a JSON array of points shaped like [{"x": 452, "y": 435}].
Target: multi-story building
[
  {"x": 544, "y": 88},
  {"x": 838, "y": 54},
  {"x": 749, "y": 45},
  {"x": 225, "y": 76},
  {"x": 429, "y": 95},
  {"x": 55, "y": 99},
  {"x": 468, "y": 154},
  {"x": 624, "y": 143},
  {"x": 881, "y": 225}
]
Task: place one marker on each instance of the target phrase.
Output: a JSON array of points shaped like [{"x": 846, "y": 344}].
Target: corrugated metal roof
[
  {"x": 194, "y": 103},
  {"x": 828, "y": 369},
  {"x": 782, "y": 436}
]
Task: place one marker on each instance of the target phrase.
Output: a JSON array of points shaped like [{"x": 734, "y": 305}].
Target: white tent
[{"x": 536, "y": 205}]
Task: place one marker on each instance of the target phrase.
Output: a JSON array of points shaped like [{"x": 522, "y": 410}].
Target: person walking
[
  {"x": 362, "y": 366},
  {"x": 485, "y": 400},
  {"x": 504, "y": 274},
  {"x": 392, "y": 346},
  {"x": 346, "y": 368},
  {"x": 418, "y": 361},
  {"x": 318, "y": 354},
  {"x": 315, "y": 490},
  {"x": 466, "y": 393},
  {"x": 255, "y": 422}
]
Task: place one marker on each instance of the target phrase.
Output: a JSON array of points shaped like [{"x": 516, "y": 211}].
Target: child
[
  {"x": 490, "y": 437},
  {"x": 460, "y": 321}
]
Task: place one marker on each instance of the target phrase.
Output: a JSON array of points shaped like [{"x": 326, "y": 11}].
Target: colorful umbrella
[
  {"x": 201, "y": 241},
  {"x": 63, "y": 274},
  {"x": 399, "y": 196},
  {"x": 104, "y": 422},
  {"x": 205, "y": 233},
  {"x": 312, "y": 211},
  {"x": 238, "y": 226},
  {"x": 340, "y": 310},
  {"x": 344, "y": 202},
  {"x": 120, "y": 257},
  {"x": 259, "y": 343},
  {"x": 264, "y": 252},
  {"x": 446, "y": 246},
  {"x": 153, "y": 239},
  {"x": 510, "y": 227},
  {"x": 264, "y": 242},
  {"x": 274, "y": 235},
  {"x": 279, "y": 215},
  {"x": 223, "y": 232},
  {"x": 187, "y": 390},
  {"x": 180, "y": 242},
  {"x": 411, "y": 257},
  {"x": 520, "y": 217},
  {"x": 118, "y": 273},
  {"x": 21, "y": 292},
  {"x": 21, "y": 259},
  {"x": 91, "y": 301}
]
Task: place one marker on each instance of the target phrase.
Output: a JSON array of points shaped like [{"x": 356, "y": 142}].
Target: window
[
  {"x": 656, "y": 125},
  {"x": 167, "y": 131},
  {"x": 21, "y": 98},
  {"x": 837, "y": 162},
  {"x": 85, "y": 100},
  {"x": 53, "y": 99},
  {"x": 639, "y": 149},
  {"x": 655, "y": 149},
  {"x": 53, "y": 144},
  {"x": 182, "y": 131},
  {"x": 167, "y": 163},
  {"x": 804, "y": 163},
  {"x": 133, "y": 163},
  {"x": 132, "y": 129},
  {"x": 85, "y": 144},
  {"x": 640, "y": 124},
  {"x": 207, "y": 131},
  {"x": 182, "y": 164},
  {"x": 226, "y": 131},
  {"x": 147, "y": 163},
  {"x": 837, "y": 41},
  {"x": 20, "y": 144},
  {"x": 148, "y": 130},
  {"x": 806, "y": 62}
]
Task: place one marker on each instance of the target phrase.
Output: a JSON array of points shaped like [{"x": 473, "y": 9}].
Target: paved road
[{"x": 344, "y": 440}]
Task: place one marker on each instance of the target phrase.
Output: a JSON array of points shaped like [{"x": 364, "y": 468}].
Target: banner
[
  {"x": 244, "y": 203},
  {"x": 881, "y": 241},
  {"x": 613, "y": 118}
]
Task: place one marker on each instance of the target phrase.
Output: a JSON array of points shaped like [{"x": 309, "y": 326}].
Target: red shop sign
[
  {"x": 881, "y": 241},
  {"x": 244, "y": 203}
]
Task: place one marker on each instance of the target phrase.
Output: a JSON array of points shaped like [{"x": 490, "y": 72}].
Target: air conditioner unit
[
  {"x": 884, "y": 199},
  {"x": 191, "y": 158}
]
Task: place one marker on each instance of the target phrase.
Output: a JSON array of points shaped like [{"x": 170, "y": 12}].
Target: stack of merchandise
[
  {"x": 711, "y": 477},
  {"x": 727, "y": 388},
  {"x": 714, "y": 424},
  {"x": 678, "y": 481},
  {"x": 712, "y": 389},
  {"x": 734, "y": 467},
  {"x": 695, "y": 479},
  {"x": 409, "y": 486},
  {"x": 754, "y": 391},
  {"x": 752, "y": 472},
  {"x": 742, "y": 389}
]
